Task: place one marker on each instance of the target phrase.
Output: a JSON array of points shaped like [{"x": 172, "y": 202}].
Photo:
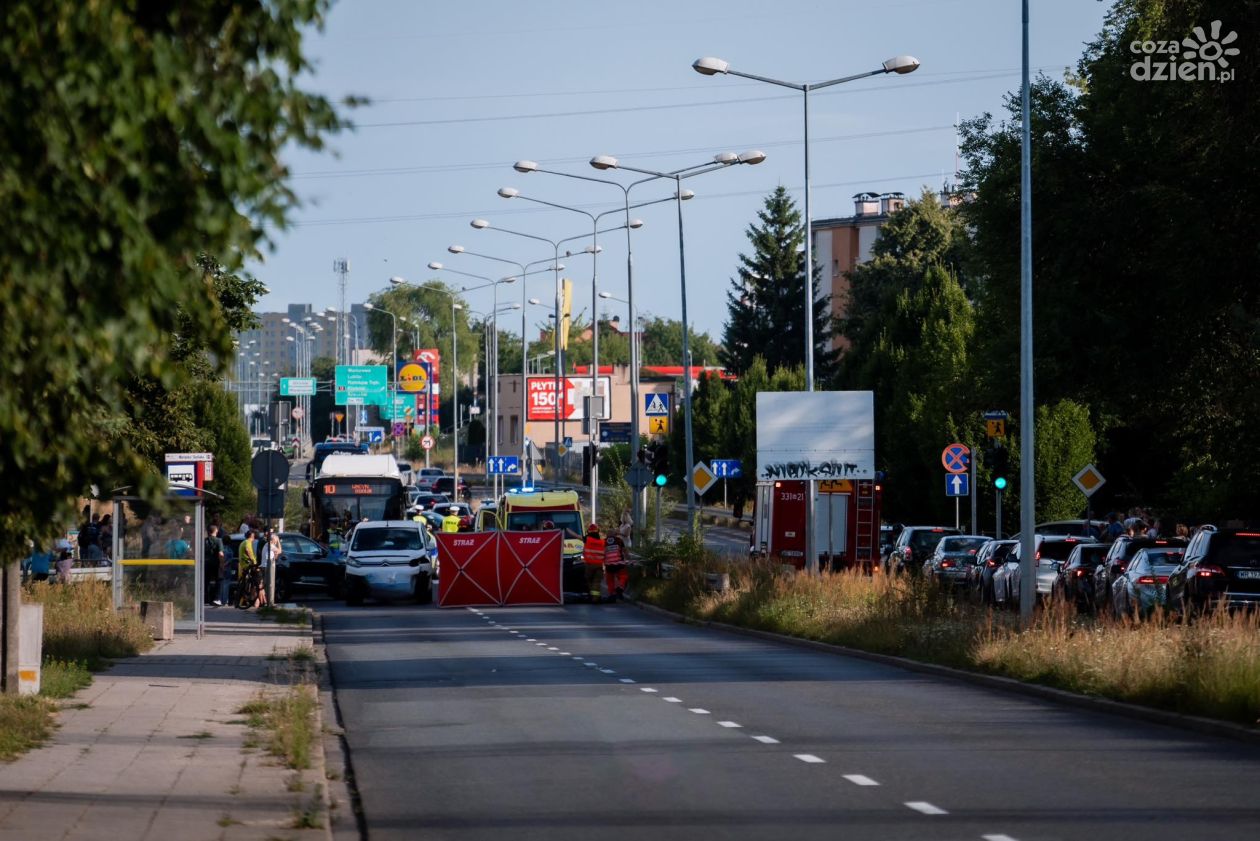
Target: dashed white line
[
  {"x": 566, "y": 654},
  {"x": 543, "y": 644},
  {"x": 926, "y": 808},
  {"x": 672, "y": 700},
  {"x": 810, "y": 758},
  {"x": 860, "y": 780},
  {"x": 648, "y": 689},
  {"x": 626, "y": 680},
  {"x": 609, "y": 671},
  {"x": 552, "y": 648},
  {"x": 575, "y": 657},
  {"x": 997, "y": 838},
  {"x": 730, "y": 724},
  {"x": 766, "y": 740},
  {"x": 531, "y": 639},
  {"x": 698, "y": 710},
  {"x": 590, "y": 664}
]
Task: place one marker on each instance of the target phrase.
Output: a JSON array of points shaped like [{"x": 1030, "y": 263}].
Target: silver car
[
  {"x": 390, "y": 559},
  {"x": 953, "y": 557}
]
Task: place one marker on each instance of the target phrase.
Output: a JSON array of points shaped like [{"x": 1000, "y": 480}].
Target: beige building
[{"x": 512, "y": 422}]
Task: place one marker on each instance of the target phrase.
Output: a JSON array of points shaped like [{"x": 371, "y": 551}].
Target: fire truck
[{"x": 846, "y": 523}]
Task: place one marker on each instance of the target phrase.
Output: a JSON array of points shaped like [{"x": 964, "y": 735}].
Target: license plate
[{"x": 1248, "y": 573}]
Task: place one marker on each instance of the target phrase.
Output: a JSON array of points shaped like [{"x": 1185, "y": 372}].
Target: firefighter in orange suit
[{"x": 593, "y": 556}]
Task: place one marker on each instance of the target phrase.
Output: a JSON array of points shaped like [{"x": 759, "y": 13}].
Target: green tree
[
  {"x": 223, "y": 434},
  {"x": 765, "y": 304},
  {"x": 662, "y": 343},
  {"x": 132, "y": 138},
  {"x": 1065, "y": 444}
]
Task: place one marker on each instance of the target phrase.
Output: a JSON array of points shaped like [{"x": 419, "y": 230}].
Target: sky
[{"x": 460, "y": 91}]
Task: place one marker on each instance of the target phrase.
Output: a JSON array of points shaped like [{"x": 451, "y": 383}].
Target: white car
[{"x": 390, "y": 559}]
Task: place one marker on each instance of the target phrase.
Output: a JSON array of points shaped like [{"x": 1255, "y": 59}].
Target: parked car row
[{"x": 1129, "y": 575}]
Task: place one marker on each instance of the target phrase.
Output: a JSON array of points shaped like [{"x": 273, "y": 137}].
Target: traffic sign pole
[{"x": 972, "y": 498}]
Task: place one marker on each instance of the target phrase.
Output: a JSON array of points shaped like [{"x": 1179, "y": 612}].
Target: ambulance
[{"x": 526, "y": 509}]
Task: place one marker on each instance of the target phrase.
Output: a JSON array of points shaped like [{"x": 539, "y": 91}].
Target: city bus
[{"x": 351, "y": 488}]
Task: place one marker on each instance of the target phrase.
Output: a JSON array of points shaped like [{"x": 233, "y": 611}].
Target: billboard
[
  {"x": 540, "y": 397},
  {"x": 815, "y": 435}
]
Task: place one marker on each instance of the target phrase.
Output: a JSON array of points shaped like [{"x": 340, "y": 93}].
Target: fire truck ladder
[{"x": 866, "y": 524}]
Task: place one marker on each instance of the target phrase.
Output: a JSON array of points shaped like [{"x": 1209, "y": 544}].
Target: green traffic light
[
  {"x": 1000, "y": 483},
  {"x": 660, "y": 480}
]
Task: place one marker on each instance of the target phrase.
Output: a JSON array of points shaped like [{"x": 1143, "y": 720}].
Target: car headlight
[
  {"x": 415, "y": 562},
  {"x": 352, "y": 561}
]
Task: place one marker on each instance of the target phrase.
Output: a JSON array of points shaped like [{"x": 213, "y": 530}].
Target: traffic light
[
  {"x": 660, "y": 463},
  {"x": 999, "y": 463}
]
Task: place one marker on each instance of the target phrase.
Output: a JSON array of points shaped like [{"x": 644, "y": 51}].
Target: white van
[{"x": 390, "y": 559}]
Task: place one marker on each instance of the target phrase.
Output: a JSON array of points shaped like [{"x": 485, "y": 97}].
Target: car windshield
[
  {"x": 926, "y": 539},
  {"x": 1057, "y": 550},
  {"x": 963, "y": 544},
  {"x": 1240, "y": 550},
  {"x": 570, "y": 521},
  {"x": 386, "y": 540}
]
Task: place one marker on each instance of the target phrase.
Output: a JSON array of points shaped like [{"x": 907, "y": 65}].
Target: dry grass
[
  {"x": 25, "y": 722},
  {"x": 1208, "y": 667},
  {"x": 80, "y": 623},
  {"x": 285, "y": 723}
]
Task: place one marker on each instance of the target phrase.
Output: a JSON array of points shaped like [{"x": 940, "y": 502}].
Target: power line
[
  {"x": 464, "y": 167},
  {"x": 425, "y": 217}
]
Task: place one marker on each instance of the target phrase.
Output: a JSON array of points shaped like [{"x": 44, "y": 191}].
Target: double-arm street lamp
[
  {"x": 721, "y": 161},
  {"x": 901, "y": 64}
]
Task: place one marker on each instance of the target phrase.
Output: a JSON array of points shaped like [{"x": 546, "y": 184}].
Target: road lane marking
[
  {"x": 566, "y": 654},
  {"x": 860, "y": 780},
  {"x": 698, "y": 711},
  {"x": 997, "y": 838},
  {"x": 575, "y": 657},
  {"x": 810, "y": 758},
  {"x": 767, "y": 740},
  {"x": 589, "y": 664},
  {"x": 672, "y": 700},
  {"x": 543, "y": 644},
  {"x": 531, "y": 639},
  {"x": 926, "y": 808},
  {"x": 609, "y": 671},
  {"x": 730, "y": 724},
  {"x": 647, "y": 689},
  {"x": 626, "y": 680},
  {"x": 552, "y": 648}
]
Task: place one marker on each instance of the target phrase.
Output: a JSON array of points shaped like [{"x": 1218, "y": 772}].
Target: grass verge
[
  {"x": 1208, "y": 667},
  {"x": 284, "y": 615},
  {"x": 285, "y": 724},
  {"x": 25, "y": 722}
]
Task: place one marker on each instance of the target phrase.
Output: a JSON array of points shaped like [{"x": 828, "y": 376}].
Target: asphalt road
[{"x": 606, "y": 722}]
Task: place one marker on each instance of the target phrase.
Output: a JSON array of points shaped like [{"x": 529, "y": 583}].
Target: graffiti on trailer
[{"x": 809, "y": 470}]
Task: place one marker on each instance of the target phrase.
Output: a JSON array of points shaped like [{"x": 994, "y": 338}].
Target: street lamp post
[
  {"x": 393, "y": 362},
  {"x": 435, "y": 266},
  {"x": 606, "y": 162},
  {"x": 901, "y": 65}
]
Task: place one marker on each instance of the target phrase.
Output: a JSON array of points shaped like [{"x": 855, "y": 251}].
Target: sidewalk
[{"x": 154, "y": 749}]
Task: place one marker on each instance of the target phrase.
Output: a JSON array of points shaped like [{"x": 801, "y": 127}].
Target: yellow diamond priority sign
[
  {"x": 702, "y": 478},
  {"x": 1089, "y": 480}
]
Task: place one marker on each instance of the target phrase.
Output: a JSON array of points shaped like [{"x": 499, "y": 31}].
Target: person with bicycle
[{"x": 253, "y": 592}]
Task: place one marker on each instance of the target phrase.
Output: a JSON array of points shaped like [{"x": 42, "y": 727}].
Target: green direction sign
[
  {"x": 361, "y": 385},
  {"x": 297, "y": 386},
  {"x": 404, "y": 408}
]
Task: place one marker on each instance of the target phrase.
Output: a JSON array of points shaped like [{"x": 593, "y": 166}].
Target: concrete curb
[
  {"x": 346, "y": 822},
  {"x": 1193, "y": 723}
]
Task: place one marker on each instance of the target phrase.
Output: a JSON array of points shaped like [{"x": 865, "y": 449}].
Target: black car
[
  {"x": 306, "y": 566},
  {"x": 446, "y": 485},
  {"x": 427, "y": 501},
  {"x": 1221, "y": 566},
  {"x": 1117, "y": 560},
  {"x": 914, "y": 545},
  {"x": 1076, "y": 578}
]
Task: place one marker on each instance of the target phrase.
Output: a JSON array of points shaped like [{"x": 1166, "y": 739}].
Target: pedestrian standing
[
  {"x": 593, "y": 550},
  {"x": 39, "y": 565},
  {"x": 215, "y": 568},
  {"x": 65, "y": 563},
  {"x": 625, "y": 531},
  {"x": 616, "y": 574}
]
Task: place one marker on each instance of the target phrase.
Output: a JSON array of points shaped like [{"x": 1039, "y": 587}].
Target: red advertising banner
[
  {"x": 540, "y": 395},
  {"x": 529, "y": 567},
  {"x": 470, "y": 572},
  {"x": 500, "y": 568}
]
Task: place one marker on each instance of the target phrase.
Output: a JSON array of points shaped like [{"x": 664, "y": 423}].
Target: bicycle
[{"x": 248, "y": 590}]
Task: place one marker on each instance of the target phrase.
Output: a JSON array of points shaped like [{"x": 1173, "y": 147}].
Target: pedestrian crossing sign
[
  {"x": 658, "y": 425},
  {"x": 656, "y": 405}
]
